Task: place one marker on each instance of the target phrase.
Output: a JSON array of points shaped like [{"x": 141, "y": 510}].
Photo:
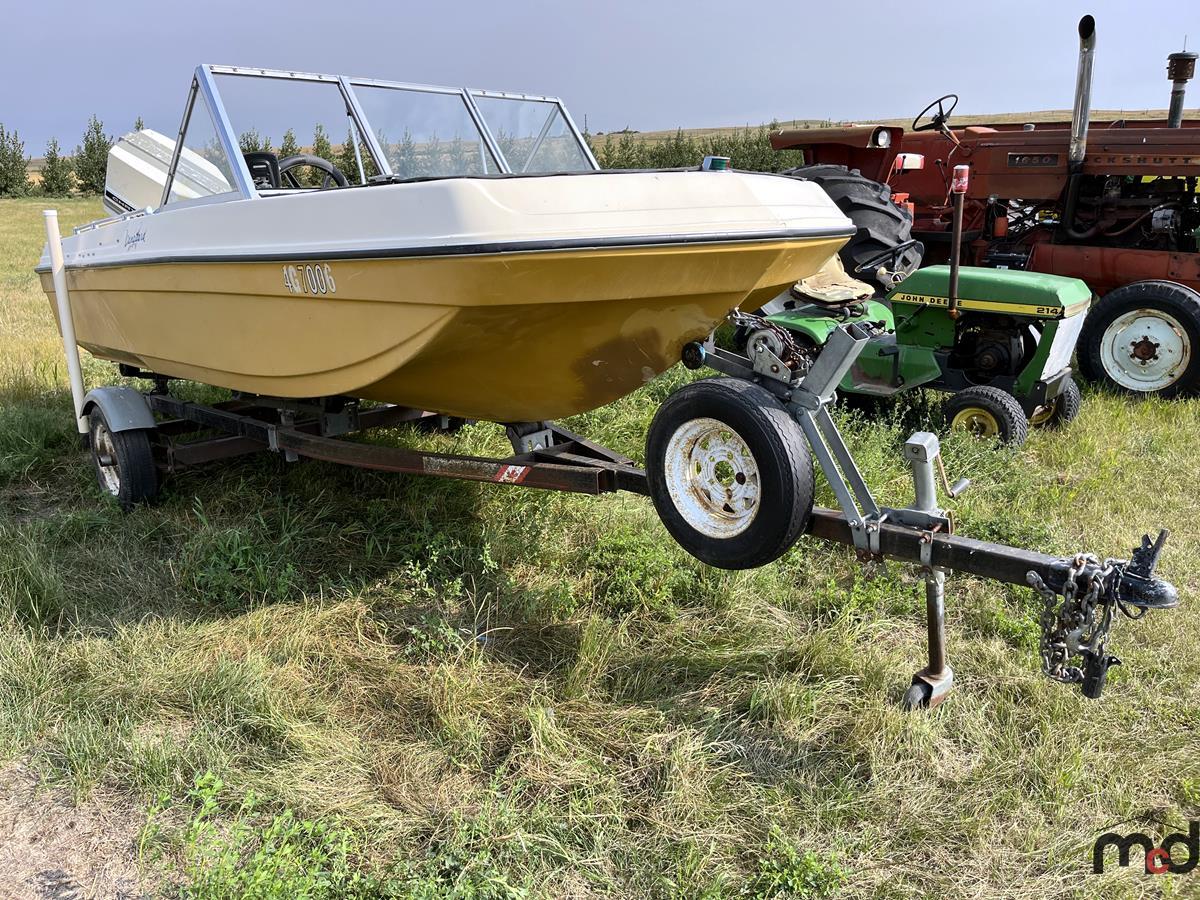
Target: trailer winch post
[{"x": 66, "y": 323}]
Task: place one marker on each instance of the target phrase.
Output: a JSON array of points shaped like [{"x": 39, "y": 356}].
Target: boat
[{"x": 475, "y": 261}]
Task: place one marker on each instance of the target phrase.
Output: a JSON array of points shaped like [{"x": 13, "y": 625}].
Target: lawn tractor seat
[
  {"x": 832, "y": 287},
  {"x": 264, "y": 169}
]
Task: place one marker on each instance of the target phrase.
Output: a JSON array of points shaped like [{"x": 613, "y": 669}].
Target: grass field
[{"x": 439, "y": 689}]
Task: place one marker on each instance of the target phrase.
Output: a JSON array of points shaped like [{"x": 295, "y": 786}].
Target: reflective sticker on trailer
[{"x": 511, "y": 474}]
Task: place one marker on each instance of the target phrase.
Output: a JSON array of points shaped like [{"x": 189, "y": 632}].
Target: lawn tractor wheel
[
  {"x": 1061, "y": 410},
  {"x": 879, "y": 223},
  {"x": 123, "y": 461},
  {"x": 988, "y": 412},
  {"x": 1144, "y": 338},
  {"x": 730, "y": 473}
]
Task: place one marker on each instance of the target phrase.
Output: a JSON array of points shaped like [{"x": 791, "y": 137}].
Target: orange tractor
[{"x": 1113, "y": 203}]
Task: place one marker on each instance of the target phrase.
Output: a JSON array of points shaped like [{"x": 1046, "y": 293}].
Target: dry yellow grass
[{"x": 497, "y": 689}]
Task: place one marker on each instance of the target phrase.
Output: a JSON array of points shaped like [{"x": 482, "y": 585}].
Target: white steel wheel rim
[
  {"x": 1145, "y": 350},
  {"x": 106, "y": 459},
  {"x": 712, "y": 478}
]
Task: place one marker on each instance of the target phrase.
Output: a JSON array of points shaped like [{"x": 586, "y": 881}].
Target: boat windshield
[
  {"x": 267, "y": 131},
  {"x": 534, "y": 135},
  {"x": 426, "y": 134}
]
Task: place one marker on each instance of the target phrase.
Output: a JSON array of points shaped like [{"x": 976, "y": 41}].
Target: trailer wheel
[
  {"x": 123, "y": 461},
  {"x": 988, "y": 412},
  {"x": 730, "y": 473},
  {"x": 1144, "y": 338},
  {"x": 1062, "y": 409}
]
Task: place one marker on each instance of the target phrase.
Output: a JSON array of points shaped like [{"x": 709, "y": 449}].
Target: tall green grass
[{"x": 445, "y": 689}]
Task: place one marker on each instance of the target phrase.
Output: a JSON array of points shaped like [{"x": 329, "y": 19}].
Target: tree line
[
  {"x": 84, "y": 171},
  {"x": 61, "y": 174},
  {"x": 748, "y": 149}
]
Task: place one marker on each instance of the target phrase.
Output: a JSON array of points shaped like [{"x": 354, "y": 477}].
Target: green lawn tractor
[
  {"x": 999, "y": 341},
  {"x": 1002, "y": 348}
]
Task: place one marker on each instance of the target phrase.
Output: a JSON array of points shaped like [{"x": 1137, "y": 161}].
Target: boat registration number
[{"x": 316, "y": 279}]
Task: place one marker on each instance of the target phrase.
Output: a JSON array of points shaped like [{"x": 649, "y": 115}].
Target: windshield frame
[{"x": 204, "y": 89}]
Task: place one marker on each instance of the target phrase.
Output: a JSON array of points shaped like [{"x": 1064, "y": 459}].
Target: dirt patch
[
  {"x": 27, "y": 502},
  {"x": 53, "y": 849}
]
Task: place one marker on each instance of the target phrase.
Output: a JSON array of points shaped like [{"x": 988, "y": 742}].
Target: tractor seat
[{"x": 832, "y": 287}]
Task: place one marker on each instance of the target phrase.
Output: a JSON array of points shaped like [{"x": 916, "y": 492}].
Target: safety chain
[{"x": 1079, "y": 625}]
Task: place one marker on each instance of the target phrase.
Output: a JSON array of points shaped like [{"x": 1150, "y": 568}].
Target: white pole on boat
[{"x": 66, "y": 324}]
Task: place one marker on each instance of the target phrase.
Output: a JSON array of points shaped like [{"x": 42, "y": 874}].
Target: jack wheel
[
  {"x": 730, "y": 473},
  {"x": 1144, "y": 338},
  {"x": 123, "y": 462},
  {"x": 1062, "y": 409},
  {"x": 917, "y": 697},
  {"x": 988, "y": 412}
]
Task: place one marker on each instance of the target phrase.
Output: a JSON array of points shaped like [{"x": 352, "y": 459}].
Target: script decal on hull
[{"x": 309, "y": 279}]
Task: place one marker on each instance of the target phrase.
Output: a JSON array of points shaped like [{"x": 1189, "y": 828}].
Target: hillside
[{"x": 1049, "y": 115}]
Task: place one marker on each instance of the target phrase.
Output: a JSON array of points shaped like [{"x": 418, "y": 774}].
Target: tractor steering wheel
[
  {"x": 937, "y": 121},
  {"x": 883, "y": 256},
  {"x": 332, "y": 172}
]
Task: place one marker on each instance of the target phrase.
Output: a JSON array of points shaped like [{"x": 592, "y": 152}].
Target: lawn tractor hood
[
  {"x": 1058, "y": 304},
  {"x": 996, "y": 291}
]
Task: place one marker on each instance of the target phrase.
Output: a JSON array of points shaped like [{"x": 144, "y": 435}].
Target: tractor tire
[
  {"x": 730, "y": 473},
  {"x": 880, "y": 224},
  {"x": 1144, "y": 338},
  {"x": 988, "y": 412},
  {"x": 1062, "y": 409}
]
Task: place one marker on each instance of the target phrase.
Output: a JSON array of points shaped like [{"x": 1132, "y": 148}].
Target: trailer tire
[
  {"x": 730, "y": 473},
  {"x": 988, "y": 412},
  {"x": 1169, "y": 313},
  {"x": 879, "y": 223},
  {"x": 1062, "y": 409},
  {"x": 123, "y": 461}
]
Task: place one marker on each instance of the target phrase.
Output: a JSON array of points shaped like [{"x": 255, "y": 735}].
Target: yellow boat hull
[{"x": 520, "y": 336}]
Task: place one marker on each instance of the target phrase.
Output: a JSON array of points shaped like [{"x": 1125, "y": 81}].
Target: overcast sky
[{"x": 637, "y": 63}]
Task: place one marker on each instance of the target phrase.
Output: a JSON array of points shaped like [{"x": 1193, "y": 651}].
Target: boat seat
[{"x": 264, "y": 169}]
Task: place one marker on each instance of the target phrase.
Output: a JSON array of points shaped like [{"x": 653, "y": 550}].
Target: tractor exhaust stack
[
  {"x": 1083, "y": 93},
  {"x": 1079, "y": 122},
  {"x": 1180, "y": 69}
]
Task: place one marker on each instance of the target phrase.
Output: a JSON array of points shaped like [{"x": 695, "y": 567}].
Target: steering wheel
[
  {"x": 332, "y": 172},
  {"x": 937, "y": 121},
  {"x": 891, "y": 253}
]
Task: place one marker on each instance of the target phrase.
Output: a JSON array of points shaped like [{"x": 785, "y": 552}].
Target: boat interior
[{"x": 249, "y": 132}]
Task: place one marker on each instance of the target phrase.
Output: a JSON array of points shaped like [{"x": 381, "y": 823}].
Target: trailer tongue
[{"x": 1081, "y": 594}]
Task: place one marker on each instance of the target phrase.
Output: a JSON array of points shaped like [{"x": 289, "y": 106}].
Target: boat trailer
[
  {"x": 135, "y": 437},
  {"x": 1081, "y": 594}
]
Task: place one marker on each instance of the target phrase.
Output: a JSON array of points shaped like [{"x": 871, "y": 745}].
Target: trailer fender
[{"x": 124, "y": 408}]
